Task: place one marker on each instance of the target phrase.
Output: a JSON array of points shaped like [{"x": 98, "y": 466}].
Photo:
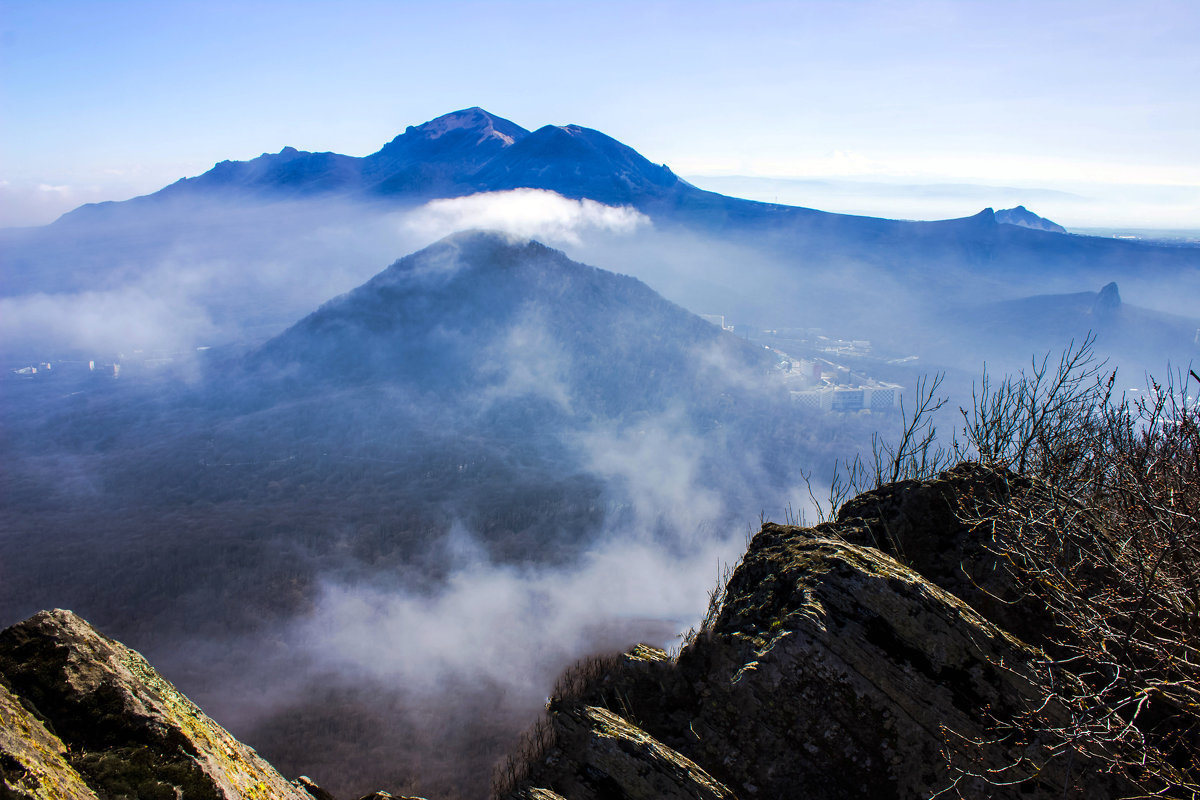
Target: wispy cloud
[
  {"x": 515, "y": 626},
  {"x": 103, "y": 322}
]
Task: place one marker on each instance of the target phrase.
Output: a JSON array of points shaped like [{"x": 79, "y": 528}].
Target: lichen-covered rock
[
  {"x": 310, "y": 786},
  {"x": 537, "y": 794},
  {"x": 946, "y": 529},
  {"x": 33, "y": 761},
  {"x": 961, "y": 529},
  {"x": 130, "y": 733},
  {"x": 600, "y": 755},
  {"x": 834, "y": 671}
]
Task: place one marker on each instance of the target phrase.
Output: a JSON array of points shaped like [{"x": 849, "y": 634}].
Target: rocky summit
[
  {"x": 836, "y": 666},
  {"x": 86, "y": 717},
  {"x": 888, "y": 653}
]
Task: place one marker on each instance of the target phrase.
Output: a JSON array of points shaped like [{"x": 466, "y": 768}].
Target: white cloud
[
  {"x": 528, "y": 361},
  {"x": 103, "y": 322},
  {"x": 657, "y": 466},
  {"x": 515, "y": 626},
  {"x": 524, "y": 213}
]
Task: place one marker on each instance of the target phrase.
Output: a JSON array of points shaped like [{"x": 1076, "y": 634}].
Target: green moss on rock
[{"x": 130, "y": 732}]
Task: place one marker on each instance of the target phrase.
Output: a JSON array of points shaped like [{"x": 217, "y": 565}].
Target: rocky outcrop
[
  {"x": 586, "y": 751},
  {"x": 945, "y": 529},
  {"x": 1108, "y": 301},
  {"x": 858, "y": 669},
  {"x": 605, "y": 755},
  {"x": 98, "y": 714},
  {"x": 33, "y": 761},
  {"x": 835, "y": 670}
]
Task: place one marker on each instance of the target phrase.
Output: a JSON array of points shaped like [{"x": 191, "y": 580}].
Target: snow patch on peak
[
  {"x": 474, "y": 118},
  {"x": 456, "y": 120}
]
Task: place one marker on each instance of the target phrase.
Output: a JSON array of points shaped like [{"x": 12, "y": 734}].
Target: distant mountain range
[
  {"x": 460, "y": 153},
  {"x": 472, "y": 151},
  {"x": 771, "y": 264}
]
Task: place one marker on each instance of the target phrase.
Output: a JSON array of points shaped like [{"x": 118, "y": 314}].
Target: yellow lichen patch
[
  {"x": 540, "y": 794},
  {"x": 644, "y": 652},
  {"x": 641, "y": 765},
  {"x": 226, "y": 760},
  {"x": 153, "y": 707},
  {"x": 42, "y": 771}
]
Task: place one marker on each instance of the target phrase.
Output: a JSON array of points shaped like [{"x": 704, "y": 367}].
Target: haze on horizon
[{"x": 1090, "y": 107}]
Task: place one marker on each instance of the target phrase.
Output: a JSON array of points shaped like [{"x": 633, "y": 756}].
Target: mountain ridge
[
  {"x": 452, "y": 154},
  {"x": 774, "y": 259}
]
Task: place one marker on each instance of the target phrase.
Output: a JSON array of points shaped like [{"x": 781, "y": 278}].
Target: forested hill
[{"x": 478, "y": 312}]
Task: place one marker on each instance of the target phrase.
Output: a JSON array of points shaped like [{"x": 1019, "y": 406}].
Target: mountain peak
[
  {"x": 475, "y": 309},
  {"x": 1108, "y": 299},
  {"x": 470, "y": 120},
  {"x": 1027, "y": 219},
  {"x": 440, "y": 155},
  {"x": 579, "y": 162}
]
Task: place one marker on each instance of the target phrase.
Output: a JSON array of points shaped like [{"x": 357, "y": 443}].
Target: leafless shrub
[
  {"x": 533, "y": 748},
  {"x": 844, "y": 485},
  {"x": 1110, "y": 546},
  {"x": 593, "y": 680},
  {"x": 716, "y": 599},
  {"x": 583, "y": 679},
  {"x": 915, "y": 454},
  {"x": 1041, "y": 421}
]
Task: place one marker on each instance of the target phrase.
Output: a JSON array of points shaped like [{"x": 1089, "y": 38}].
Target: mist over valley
[{"x": 364, "y": 514}]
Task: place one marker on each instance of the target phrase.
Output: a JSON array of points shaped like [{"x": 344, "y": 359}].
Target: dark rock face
[
  {"x": 923, "y": 524},
  {"x": 119, "y": 727},
  {"x": 307, "y": 784},
  {"x": 1108, "y": 300},
  {"x": 607, "y": 756},
  {"x": 834, "y": 670},
  {"x": 855, "y": 661}
]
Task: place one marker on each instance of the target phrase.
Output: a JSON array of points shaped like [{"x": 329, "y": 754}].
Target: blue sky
[{"x": 104, "y": 100}]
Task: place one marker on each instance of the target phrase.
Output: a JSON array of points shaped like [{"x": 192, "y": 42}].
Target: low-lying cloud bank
[
  {"x": 103, "y": 323},
  {"x": 512, "y": 626}
]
